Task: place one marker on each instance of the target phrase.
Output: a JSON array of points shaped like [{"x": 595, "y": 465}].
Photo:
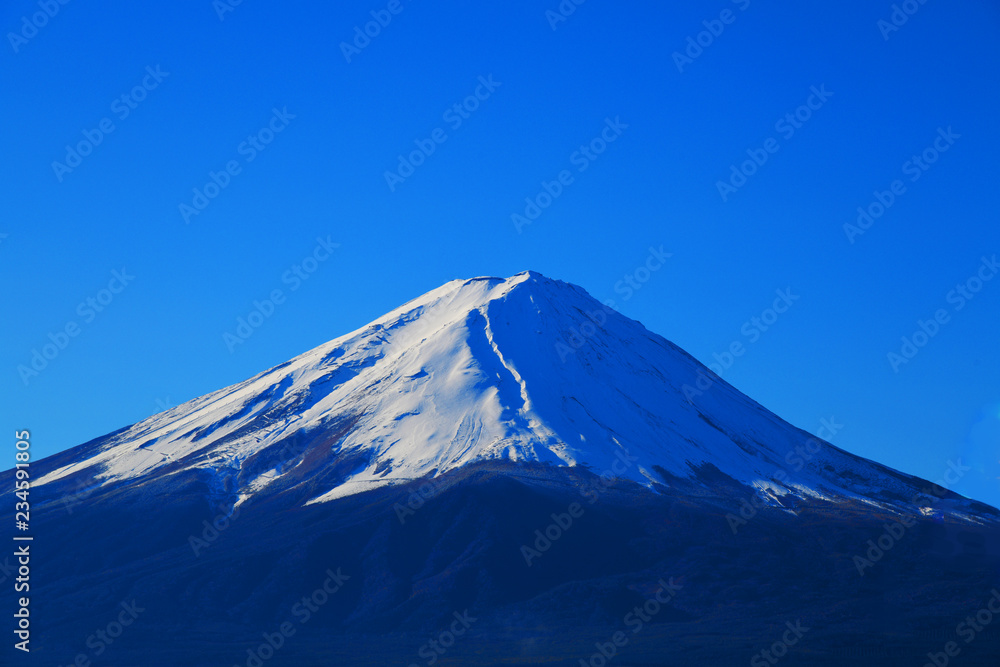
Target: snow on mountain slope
[{"x": 524, "y": 369}]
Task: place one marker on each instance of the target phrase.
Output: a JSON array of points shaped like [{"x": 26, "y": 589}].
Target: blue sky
[{"x": 203, "y": 94}]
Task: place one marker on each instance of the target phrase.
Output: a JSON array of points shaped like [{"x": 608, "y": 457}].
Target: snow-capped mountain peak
[{"x": 521, "y": 369}]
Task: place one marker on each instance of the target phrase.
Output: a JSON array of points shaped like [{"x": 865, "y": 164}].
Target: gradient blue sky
[{"x": 160, "y": 341}]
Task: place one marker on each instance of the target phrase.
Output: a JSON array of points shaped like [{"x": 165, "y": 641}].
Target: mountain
[
  {"x": 509, "y": 451},
  {"x": 523, "y": 369}
]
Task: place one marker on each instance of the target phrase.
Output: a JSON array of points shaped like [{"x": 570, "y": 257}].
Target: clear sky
[{"x": 115, "y": 114}]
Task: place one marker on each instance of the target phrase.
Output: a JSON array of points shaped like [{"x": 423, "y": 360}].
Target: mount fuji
[
  {"x": 512, "y": 450},
  {"x": 523, "y": 369}
]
